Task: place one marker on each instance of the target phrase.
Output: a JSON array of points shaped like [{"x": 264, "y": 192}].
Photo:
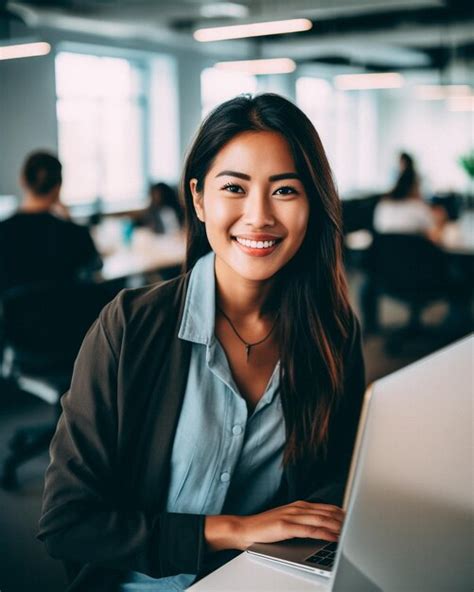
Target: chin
[{"x": 257, "y": 270}]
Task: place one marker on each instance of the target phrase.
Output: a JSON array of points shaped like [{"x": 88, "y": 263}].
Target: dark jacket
[{"x": 106, "y": 487}]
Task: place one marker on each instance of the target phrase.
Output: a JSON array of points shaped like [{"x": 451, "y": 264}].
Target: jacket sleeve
[
  {"x": 84, "y": 519},
  {"x": 343, "y": 426}
]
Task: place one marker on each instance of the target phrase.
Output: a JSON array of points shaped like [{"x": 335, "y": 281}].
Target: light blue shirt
[{"x": 224, "y": 460}]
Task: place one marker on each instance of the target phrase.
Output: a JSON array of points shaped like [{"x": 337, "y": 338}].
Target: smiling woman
[{"x": 203, "y": 411}]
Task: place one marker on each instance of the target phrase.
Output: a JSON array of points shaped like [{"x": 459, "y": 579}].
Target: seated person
[
  {"x": 36, "y": 244},
  {"x": 403, "y": 211},
  {"x": 164, "y": 214}
]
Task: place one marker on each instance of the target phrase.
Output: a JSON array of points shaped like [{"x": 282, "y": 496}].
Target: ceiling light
[
  {"x": 437, "y": 92},
  {"x": 369, "y": 81},
  {"x": 429, "y": 92},
  {"x": 461, "y": 103},
  {"x": 270, "y": 66},
  {"x": 24, "y": 50},
  {"x": 252, "y": 30}
]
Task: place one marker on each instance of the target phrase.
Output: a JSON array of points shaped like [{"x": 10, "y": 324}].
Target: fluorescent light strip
[
  {"x": 369, "y": 81},
  {"x": 270, "y": 66},
  {"x": 461, "y": 103},
  {"x": 437, "y": 92},
  {"x": 252, "y": 30},
  {"x": 24, "y": 50}
]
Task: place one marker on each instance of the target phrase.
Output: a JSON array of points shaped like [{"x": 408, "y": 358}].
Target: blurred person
[
  {"x": 37, "y": 243},
  {"x": 403, "y": 211},
  {"x": 164, "y": 214}
]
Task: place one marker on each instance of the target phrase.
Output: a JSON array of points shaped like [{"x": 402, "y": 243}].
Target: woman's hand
[{"x": 296, "y": 520}]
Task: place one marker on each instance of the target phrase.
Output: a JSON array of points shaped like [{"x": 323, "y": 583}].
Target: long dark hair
[
  {"x": 315, "y": 315},
  {"x": 407, "y": 179},
  {"x": 168, "y": 198}
]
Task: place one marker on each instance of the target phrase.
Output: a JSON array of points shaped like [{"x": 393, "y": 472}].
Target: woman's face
[
  {"x": 254, "y": 205},
  {"x": 156, "y": 198}
]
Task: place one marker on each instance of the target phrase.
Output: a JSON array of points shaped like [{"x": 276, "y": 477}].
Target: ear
[{"x": 197, "y": 199}]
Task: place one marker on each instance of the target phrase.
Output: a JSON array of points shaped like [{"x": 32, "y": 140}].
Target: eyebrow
[{"x": 278, "y": 177}]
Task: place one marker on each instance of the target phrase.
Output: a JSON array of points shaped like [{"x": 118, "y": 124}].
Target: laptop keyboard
[{"x": 324, "y": 556}]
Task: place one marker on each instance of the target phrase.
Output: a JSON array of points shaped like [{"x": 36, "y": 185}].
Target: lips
[
  {"x": 257, "y": 245},
  {"x": 254, "y": 244}
]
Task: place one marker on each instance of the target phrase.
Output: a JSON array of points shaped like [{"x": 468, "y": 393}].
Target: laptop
[{"x": 409, "y": 498}]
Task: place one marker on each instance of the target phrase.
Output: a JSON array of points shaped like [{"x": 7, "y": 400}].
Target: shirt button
[
  {"x": 237, "y": 430},
  {"x": 225, "y": 477}
]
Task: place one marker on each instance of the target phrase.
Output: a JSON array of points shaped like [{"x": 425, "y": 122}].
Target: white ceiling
[{"x": 398, "y": 37}]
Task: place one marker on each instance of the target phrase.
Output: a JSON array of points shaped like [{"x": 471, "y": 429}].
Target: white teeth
[{"x": 255, "y": 244}]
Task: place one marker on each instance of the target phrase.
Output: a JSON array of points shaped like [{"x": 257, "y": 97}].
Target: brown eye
[
  {"x": 233, "y": 188},
  {"x": 286, "y": 190}
]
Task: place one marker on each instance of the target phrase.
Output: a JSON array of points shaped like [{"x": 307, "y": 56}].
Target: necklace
[{"x": 248, "y": 345}]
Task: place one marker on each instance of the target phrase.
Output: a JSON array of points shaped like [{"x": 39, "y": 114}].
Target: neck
[
  {"x": 241, "y": 298},
  {"x": 34, "y": 204}
]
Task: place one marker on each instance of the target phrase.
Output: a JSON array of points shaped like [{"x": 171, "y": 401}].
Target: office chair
[
  {"x": 358, "y": 214},
  {"x": 410, "y": 269},
  {"x": 42, "y": 327}
]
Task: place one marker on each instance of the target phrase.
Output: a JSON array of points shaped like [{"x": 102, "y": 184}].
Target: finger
[
  {"x": 324, "y": 516},
  {"x": 316, "y": 518},
  {"x": 320, "y": 508},
  {"x": 317, "y": 522},
  {"x": 303, "y": 531},
  {"x": 315, "y": 511},
  {"x": 328, "y": 507}
]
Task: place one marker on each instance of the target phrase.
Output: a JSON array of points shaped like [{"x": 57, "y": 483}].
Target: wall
[
  {"x": 27, "y": 114},
  {"x": 190, "y": 67}
]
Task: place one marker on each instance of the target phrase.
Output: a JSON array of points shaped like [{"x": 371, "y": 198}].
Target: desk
[
  {"x": 457, "y": 237},
  {"x": 252, "y": 574},
  {"x": 145, "y": 253}
]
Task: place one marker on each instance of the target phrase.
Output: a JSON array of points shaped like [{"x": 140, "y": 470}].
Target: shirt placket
[{"x": 234, "y": 424}]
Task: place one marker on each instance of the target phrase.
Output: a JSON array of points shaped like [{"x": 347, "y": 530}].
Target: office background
[{"x": 122, "y": 90}]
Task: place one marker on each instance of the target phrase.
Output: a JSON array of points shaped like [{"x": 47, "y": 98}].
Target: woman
[
  {"x": 163, "y": 215},
  {"x": 403, "y": 210},
  {"x": 204, "y": 410},
  {"x": 37, "y": 244}
]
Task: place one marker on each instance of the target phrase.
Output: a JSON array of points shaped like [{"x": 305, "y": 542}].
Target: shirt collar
[{"x": 197, "y": 324}]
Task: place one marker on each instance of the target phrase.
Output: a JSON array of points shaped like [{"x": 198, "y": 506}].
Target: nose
[{"x": 258, "y": 210}]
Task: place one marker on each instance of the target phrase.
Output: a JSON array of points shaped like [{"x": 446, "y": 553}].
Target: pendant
[{"x": 247, "y": 351}]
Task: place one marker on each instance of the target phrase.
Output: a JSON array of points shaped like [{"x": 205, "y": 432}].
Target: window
[
  {"x": 102, "y": 110},
  {"x": 346, "y": 124},
  {"x": 164, "y": 159},
  {"x": 219, "y": 85}
]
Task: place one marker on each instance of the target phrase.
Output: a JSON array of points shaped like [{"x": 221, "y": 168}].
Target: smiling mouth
[
  {"x": 257, "y": 247},
  {"x": 256, "y": 244}
]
